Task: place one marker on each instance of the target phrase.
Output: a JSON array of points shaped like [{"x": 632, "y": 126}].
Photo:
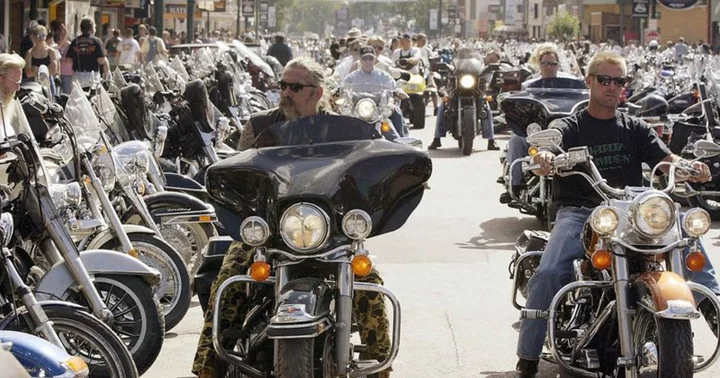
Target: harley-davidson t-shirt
[{"x": 618, "y": 146}]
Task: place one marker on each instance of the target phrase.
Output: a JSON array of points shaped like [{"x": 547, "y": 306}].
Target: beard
[{"x": 289, "y": 108}]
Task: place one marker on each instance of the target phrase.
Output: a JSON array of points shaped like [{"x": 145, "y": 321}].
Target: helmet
[{"x": 653, "y": 43}]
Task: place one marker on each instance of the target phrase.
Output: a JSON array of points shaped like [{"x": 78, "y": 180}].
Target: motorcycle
[
  {"x": 414, "y": 85},
  {"x": 629, "y": 308},
  {"x": 529, "y": 112},
  {"x": 299, "y": 271},
  {"x": 39, "y": 356}
]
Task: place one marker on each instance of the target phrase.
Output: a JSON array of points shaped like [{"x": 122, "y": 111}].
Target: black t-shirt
[
  {"x": 84, "y": 51},
  {"x": 619, "y": 146}
]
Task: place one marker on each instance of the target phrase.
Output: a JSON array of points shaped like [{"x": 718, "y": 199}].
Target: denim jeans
[
  {"x": 556, "y": 270},
  {"x": 397, "y": 120},
  {"x": 67, "y": 81},
  {"x": 517, "y": 149},
  {"x": 488, "y": 132}
]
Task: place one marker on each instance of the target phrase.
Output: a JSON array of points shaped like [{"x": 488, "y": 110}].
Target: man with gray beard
[
  {"x": 301, "y": 94},
  {"x": 11, "y": 67}
]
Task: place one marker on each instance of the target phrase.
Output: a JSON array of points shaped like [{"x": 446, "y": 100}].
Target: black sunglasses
[
  {"x": 295, "y": 87},
  {"x": 549, "y": 64},
  {"x": 605, "y": 80}
]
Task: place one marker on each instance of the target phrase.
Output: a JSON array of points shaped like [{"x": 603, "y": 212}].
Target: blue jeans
[
  {"x": 488, "y": 132},
  {"x": 556, "y": 270},
  {"x": 397, "y": 120},
  {"x": 517, "y": 149},
  {"x": 67, "y": 81}
]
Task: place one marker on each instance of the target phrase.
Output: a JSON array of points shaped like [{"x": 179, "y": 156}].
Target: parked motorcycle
[
  {"x": 41, "y": 357},
  {"x": 307, "y": 249},
  {"x": 629, "y": 309}
]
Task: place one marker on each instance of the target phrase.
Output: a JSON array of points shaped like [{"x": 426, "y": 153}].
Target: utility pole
[
  {"x": 237, "y": 19},
  {"x": 159, "y": 15},
  {"x": 439, "y": 20},
  {"x": 622, "y": 22},
  {"x": 190, "y": 18}
]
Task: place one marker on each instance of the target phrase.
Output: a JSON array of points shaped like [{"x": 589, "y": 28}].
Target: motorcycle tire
[
  {"x": 468, "y": 133},
  {"x": 140, "y": 304},
  {"x": 76, "y": 327},
  {"x": 296, "y": 358},
  {"x": 673, "y": 340},
  {"x": 173, "y": 292},
  {"x": 418, "y": 112}
]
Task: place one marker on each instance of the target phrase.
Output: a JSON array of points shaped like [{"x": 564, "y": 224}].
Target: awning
[{"x": 510, "y": 29}]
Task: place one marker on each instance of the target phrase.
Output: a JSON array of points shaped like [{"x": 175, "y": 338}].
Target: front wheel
[
  {"x": 295, "y": 358},
  {"x": 664, "y": 346},
  {"x": 469, "y": 123},
  {"x": 85, "y": 336},
  {"x": 137, "y": 317},
  {"x": 173, "y": 291},
  {"x": 418, "y": 112}
]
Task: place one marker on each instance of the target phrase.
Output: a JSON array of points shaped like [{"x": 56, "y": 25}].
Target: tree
[{"x": 563, "y": 26}]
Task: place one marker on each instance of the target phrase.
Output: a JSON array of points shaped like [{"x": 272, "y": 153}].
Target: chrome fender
[
  {"x": 56, "y": 282},
  {"x": 105, "y": 236}
]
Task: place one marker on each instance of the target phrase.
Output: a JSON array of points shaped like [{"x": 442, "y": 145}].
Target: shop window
[{"x": 535, "y": 10}]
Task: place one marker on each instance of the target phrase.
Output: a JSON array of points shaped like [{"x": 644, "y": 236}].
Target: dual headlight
[
  {"x": 305, "y": 227},
  {"x": 365, "y": 109},
  {"x": 467, "y": 81}
]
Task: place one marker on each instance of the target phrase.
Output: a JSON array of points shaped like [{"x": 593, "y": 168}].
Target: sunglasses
[
  {"x": 295, "y": 87},
  {"x": 605, "y": 80},
  {"x": 548, "y": 64},
  {"x": 368, "y": 58}
]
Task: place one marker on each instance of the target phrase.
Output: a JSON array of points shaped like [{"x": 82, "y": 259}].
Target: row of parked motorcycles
[
  {"x": 618, "y": 316},
  {"x": 123, "y": 197}
]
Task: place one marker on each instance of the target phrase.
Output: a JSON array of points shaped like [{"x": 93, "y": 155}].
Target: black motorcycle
[{"x": 307, "y": 197}]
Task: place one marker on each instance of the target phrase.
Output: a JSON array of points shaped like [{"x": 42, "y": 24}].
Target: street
[{"x": 448, "y": 266}]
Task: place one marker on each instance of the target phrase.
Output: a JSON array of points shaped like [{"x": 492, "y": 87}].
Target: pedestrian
[
  {"x": 66, "y": 70},
  {"x": 153, "y": 47},
  {"x": 87, "y": 55},
  {"x": 40, "y": 54},
  {"x": 128, "y": 50},
  {"x": 279, "y": 50},
  {"x": 111, "y": 48}
]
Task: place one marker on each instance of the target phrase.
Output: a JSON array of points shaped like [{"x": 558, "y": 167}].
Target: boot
[
  {"x": 492, "y": 146},
  {"x": 526, "y": 368},
  {"x": 435, "y": 144}
]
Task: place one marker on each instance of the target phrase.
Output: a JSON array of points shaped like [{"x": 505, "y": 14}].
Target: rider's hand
[
  {"x": 413, "y": 61},
  {"x": 704, "y": 174},
  {"x": 544, "y": 159},
  {"x": 401, "y": 94}
]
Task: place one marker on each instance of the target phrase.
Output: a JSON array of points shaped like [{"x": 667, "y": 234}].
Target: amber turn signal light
[
  {"x": 601, "y": 260},
  {"x": 361, "y": 265},
  {"x": 695, "y": 261},
  {"x": 385, "y": 127},
  {"x": 260, "y": 271},
  {"x": 532, "y": 151}
]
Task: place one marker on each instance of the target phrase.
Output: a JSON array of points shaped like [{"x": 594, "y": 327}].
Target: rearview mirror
[
  {"x": 547, "y": 138},
  {"x": 705, "y": 148}
]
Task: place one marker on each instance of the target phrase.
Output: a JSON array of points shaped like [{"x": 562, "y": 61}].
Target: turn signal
[
  {"x": 134, "y": 253},
  {"x": 385, "y": 127},
  {"x": 695, "y": 261},
  {"x": 532, "y": 151},
  {"x": 601, "y": 260},
  {"x": 361, "y": 265},
  {"x": 260, "y": 271}
]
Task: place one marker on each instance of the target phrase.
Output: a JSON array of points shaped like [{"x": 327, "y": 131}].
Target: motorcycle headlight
[
  {"x": 357, "y": 224},
  {"x": 387, "y": 111},
  {"x": 604, "y": 220},
  {"x": 365, "y": 109},
  {"x": 305, "y": 227},
  {"x": 73, "y": 194},
  {"x": 653, "y": 214},
  {"x": 142, "y": 161},
  {"x": 254, "y": 231},
  {"x": 467, "y": 81},
  {"x": 107, "y": 177},
  {"x": 533, "y": 128},
  {"x": 696, "y": 222},
  {"x": 346, "y": 110}
]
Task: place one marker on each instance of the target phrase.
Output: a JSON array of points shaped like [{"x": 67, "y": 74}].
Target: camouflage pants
[{"x": 368, "y": 309}]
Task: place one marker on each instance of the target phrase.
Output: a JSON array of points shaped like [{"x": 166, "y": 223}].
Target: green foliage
[{"x": 563, "y": 26}]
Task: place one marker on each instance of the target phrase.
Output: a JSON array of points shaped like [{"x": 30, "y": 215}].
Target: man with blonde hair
[{"x": 619, "y": 144}]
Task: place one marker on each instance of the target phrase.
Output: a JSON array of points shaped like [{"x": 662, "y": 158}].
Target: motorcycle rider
[
  {"x": 426, "y": 53},
  {"x": 440, "y": 131},
  {"x": 303, "y": 92},
  {"x": 545, "y": 56},
  {"x": 620, "y": 143},
  {"x": 384, "y": 62},
  {"x": 369, "y": 77},
  {"x": 407, "y": 51}
]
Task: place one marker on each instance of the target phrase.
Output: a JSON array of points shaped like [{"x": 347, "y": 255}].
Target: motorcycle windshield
[
  {"x": 468, "y": 61},
  {"x": 373, "y": 91},
  {"x": 336, "y": 162},
  {"x": 151, "y": 79},
  {"x": 254, "y": 58}
]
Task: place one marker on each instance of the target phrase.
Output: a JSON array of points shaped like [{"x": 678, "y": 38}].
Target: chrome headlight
[
  {"x": 357, "y": 224},
  {"x": 467, "y": 81},
  {"x": 365, "y": 109},
  {"x": 305, "y": 227},
  {"x": 387, "y": 111},
  {"x": 604, "y": 220},
  {"x": 653, "y": 214},
  {"x": 696, "y": 222},
  {"x": 254, "y": 231},
  {"x": 106, "y": 176},
  {"x": 346, "y": 110},
  {"x": 533, "y": 128},
  {"x": 73, "y": 194}
]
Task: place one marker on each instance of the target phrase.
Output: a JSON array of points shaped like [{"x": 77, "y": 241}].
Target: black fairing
[
  {"x": 544, "y": 104},
  {"x": 677, "y": 104},
  {"x": 651, "y": 106},
  {"x": 131, "y": 98},
  {"x": 196, "y": 95},
  {"x": 336, "y": 162}
]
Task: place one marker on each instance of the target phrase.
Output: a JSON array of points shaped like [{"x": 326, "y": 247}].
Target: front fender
[
  {"x": 665, "y": 294},
  {"x": 56, "y": 282},
  {"x": 178, "y": 182},
  {"x": 177, "y": 207},
  {"x": 302, "y": 310},
  {"x": 36, "y": 354},
  {"x": 105, "y": 236}
]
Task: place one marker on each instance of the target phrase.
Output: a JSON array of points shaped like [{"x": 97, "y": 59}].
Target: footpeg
[{"x": 534, "y": 314}]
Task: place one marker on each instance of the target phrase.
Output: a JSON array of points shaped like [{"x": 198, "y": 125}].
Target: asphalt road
[{"x": 448, "y": 267}]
